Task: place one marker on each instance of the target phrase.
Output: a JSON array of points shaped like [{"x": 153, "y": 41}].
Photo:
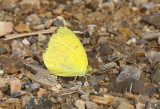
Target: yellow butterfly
[{"x": 65, "y": 55}]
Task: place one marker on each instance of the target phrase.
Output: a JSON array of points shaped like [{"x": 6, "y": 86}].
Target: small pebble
[{"x": 80, "y": 104}]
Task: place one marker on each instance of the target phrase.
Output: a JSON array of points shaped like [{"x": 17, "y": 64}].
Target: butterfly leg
[
  {"x": 86, "y": 82},
  {"x": 88, "y": 75},
  {"x": 85, "y": 77},
  {"x": 75, "y": 79}
]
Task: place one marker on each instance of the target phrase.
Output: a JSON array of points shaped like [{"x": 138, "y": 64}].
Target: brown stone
[
  {"x": 102, "y": 100},
  {"x": 6, "y": 28},
  {"x": 15, "y": 85},
  {"x": 44, "y": 79},
  {"x": 41, "y": 92},
  {"x": 22, "y": 28},
  {"x": 4, "y": 84},
  {"x": 59, "y": 9}
]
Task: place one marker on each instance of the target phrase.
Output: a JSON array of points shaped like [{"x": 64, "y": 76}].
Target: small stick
[
  {"x": 78, "y": 32},
  {"x": 13, "y": 36},
  {"x": 131, "y": 88}
]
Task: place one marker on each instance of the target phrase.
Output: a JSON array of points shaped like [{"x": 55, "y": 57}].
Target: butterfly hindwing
[{"x": 65, "y": 55}]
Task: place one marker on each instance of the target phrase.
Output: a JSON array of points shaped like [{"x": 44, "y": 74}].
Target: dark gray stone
[
  {"x": 153, "y": 19},
  {"x": 42, "y": 103}
]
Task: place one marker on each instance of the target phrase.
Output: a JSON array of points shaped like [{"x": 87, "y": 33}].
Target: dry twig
[{"x": 13, "y": 36}]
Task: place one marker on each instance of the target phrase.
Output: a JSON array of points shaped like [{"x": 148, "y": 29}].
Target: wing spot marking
[{"x": 76, "y": 47}]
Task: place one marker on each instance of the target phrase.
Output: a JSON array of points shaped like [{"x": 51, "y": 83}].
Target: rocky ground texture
[{"x": 122, "y": 41}]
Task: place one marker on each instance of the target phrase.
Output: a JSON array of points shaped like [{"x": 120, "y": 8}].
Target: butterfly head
[{"x": 89, "y": 68}]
